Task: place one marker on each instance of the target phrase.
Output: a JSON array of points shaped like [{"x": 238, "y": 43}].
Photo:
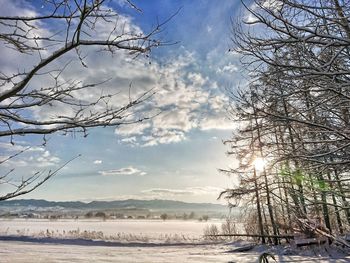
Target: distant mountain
[{"x": 156, "y": 204}]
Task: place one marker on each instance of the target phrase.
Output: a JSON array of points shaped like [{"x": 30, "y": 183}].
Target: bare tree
[
  {"x": 294, "y": 112},
  {"x": 74, "y": 26}
]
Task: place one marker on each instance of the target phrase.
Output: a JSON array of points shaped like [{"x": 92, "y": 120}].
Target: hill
[{"x": 156, "y": 205}]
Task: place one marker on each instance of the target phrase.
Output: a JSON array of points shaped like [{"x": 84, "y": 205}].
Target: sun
[{"x": 259, "y": 164}]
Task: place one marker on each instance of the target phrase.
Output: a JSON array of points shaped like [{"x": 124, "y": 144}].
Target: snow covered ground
[
  {"x": 19, "y": 252},
  {"x": 191, "y": 227},
  {"x": 130, "y": 230},
  {"x": 20, "y": 242},
  {"x": 16, "y": 252}
]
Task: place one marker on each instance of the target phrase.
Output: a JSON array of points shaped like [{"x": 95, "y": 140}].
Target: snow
[
  {"x": 191, "y": 227},
  {"x": 27, "y": 246},
  {"x": 18, "y": 252},
  {"x": 111, "y": 229}
]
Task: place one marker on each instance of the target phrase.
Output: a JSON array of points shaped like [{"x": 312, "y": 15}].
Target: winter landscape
[
  {"x": 42, "y": 231},
  {"x": 174, "y": 131},
  {"x": 132, "y": 241}
]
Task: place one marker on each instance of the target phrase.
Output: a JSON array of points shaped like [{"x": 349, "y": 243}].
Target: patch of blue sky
[{"x": 190, "y": 150}]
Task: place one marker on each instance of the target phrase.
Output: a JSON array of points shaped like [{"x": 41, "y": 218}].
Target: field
[
  {"x": 123, "y": 241},
  {"x": 117, "y": 230}
]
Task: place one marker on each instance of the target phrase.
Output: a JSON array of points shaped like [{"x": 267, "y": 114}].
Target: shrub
[
  {"x": 164, "y": 216},
  {"x": 211, "y": 231}
]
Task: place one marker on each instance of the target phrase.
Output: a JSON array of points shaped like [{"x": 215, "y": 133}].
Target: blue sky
[{"x": 173, "y": 156}]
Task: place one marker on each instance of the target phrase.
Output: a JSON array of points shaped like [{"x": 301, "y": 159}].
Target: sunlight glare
[{"x": 259, "y": 164}]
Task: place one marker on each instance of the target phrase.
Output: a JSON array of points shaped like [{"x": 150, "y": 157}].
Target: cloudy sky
[{"x": 175, "y": 155}]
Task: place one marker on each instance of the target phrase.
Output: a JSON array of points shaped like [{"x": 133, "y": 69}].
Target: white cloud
[
  {"x": 20, "y": 146},
  {"x": 11, "y": 60},
  {"x": 274, "y": 5},
  {"x": 161, "y": 136},
  {"x": 46, "y": 159},
  {"x": 122, "y": 171},
  {"x": 206, "y": 190},
  {"x": 229, "y": 68},
  {"x": 271, "y": 5},
  {"x": 132, "y": 129},
  {"x": 180, "y": 119},
  {"x": 129, "y": 140},
  {"x": 209, "y": 29},
  {"x": 166, "y": 192},
  {"x": 188, "y": 191},
  {"x": 197, "y": 79},
  {"x": 97, "y": 161},
  {"x": 26, "y": 155},
  {"x": 250, "y": 19},
  {"x": 188, "y": 101},
  {"x": 186, "y": 98},
  {"x": 218, "y": 123},
  {"x": 10, "y": 163}
]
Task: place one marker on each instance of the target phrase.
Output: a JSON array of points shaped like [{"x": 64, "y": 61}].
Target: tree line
[{"x": 294, "y": 115}]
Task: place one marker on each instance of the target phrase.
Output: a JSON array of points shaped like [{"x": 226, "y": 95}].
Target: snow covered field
[
  {"x": 55, "y": 245},
  {"x": 110, "y": 229},
  {"x": 19, "y": 252}
]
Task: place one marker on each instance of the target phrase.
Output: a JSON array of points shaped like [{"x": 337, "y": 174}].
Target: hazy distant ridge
[{"x": 130, "y": 203}]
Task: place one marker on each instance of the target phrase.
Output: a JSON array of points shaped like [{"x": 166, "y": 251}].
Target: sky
[{"x": 175, "y": 155}]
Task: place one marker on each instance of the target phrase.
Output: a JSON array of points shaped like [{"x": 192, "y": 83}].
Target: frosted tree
[{"x": 295, "y": 109}]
